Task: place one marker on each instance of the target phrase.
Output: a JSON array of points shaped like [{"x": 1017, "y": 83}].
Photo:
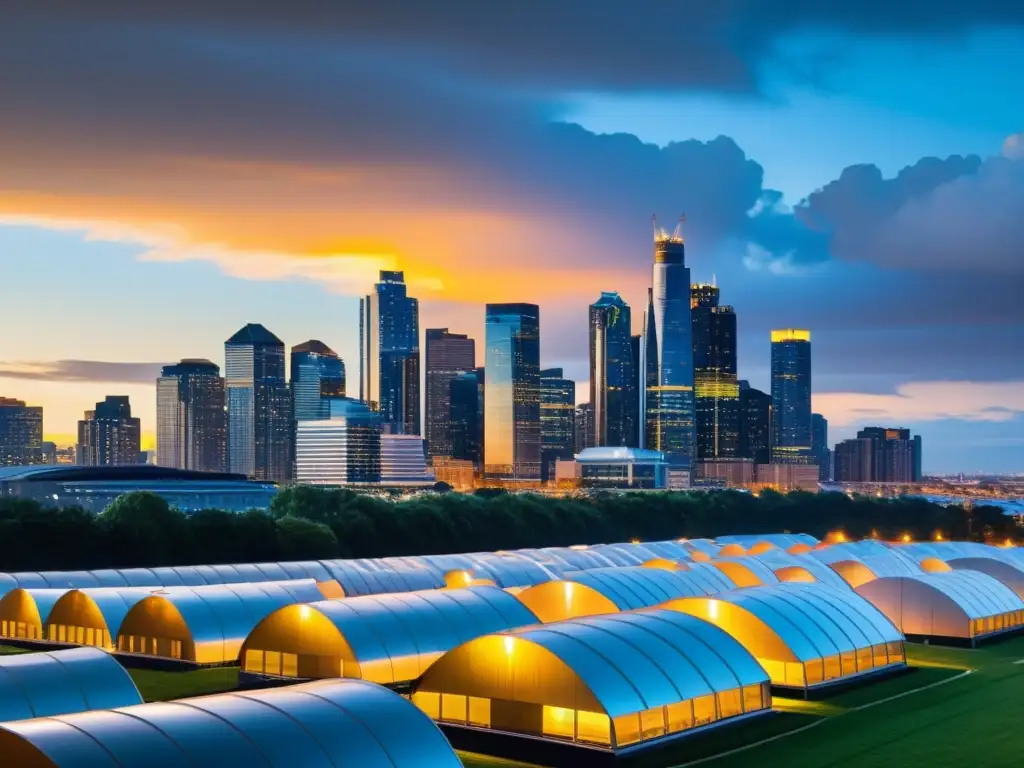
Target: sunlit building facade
[
  {"x": 259, "y": 405},
  {"x": 512, "y": 442},
  {"x": 613, "y": 375},
  {"x": 191, "y": 417},
  {"x": 389, "y": 331},
  {"x": 109, "y": 435},
  {"x": 791, "y": 396},
  {"x": 343, "y": 449},
  {"x": 317, "y": 377},
  {"x": 716, "y": 388},
  {"x": 447, "y": 356},
  {"x": 557, "y": 420},
  {"x": 21, "y": 433}
]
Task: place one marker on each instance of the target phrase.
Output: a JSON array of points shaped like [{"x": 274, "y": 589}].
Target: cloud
[{"x": 82, "y": 371}]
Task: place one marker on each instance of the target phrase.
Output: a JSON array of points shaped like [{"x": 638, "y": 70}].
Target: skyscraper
[
  {"x": 791, "y": 396},
  {"x": 819, "y": 447},
  {"x": 755, "y": 433},
  {"x": 512, "y": 404},
  {"x": 669, "y": 402},
  {"x": 557, "y": 420},
  {"x": 448, "y": 356},
  {"x": 110, "y": 436},
  {"x": 21, "y": 433},
  {"x": 259, "y": 405},
  {"x": 893, "y": 456},
  {"x": 389, "y": 330},
  {"x": 716, "y": 389},
  {"x": 191, "y": 420},
  {"x": 466, "y": 416},
  {"x": 317, "y": 377},
  {"x": 584, "y": 427},
  {"x": 613, "y": 376}
]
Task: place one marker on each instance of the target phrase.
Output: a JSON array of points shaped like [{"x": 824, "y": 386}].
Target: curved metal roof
[
  {"x": 60, "y": 682},
  {"x": 34, "y": 602},
  {"x": 640, "y": 587},
  {"x": 779, "y": 560},
  {"x": 330, "y": 722},
  {"x": 780, "y": 540},
  {"x": 1008, "y": 573},
  {"x": 357, "y": 579},
  {"x": 976, "y": 594},
  {"x": 179, "y": 576}
]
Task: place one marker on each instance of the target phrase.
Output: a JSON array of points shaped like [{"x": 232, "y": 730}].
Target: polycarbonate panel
[
  {"x": 206, "y": 739},
  {"x": 62, "y": 743},
  {"x": 45, "y": 684},
  {"x": 823, "y": 633},
  {"x": 104, "y": 683},
  {"x": 783, "y": 624},
  {"x": 132, "y": 742},
  {"x": 721, "y": 659},
  {"x": 29, "y": 580},
  {"x": 141, "y": 577},
  {"x": 108, "y": 578},
  {"x": 169, "y": 577},
  {"x": 69, "y": 579}
]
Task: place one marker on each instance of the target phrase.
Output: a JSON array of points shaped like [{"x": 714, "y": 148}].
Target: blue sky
[{"x": 252, "y": 173}]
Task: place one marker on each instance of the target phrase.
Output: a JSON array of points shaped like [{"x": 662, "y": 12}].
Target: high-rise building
[
  {"x": 669, "y": 402},
  {"x": 389, "y": 356},
  {"x": 716, "y": 389},
  {"x": 854, "y": 461},
  {"x": 109, "y": 435},
  {"x": 448, "y": 355},
  {"x": 584, "y": 426},
  {"x": 613, "y": 375},
  {"x": 21, "y": 433},
  {"x": 259, "y": 406},
  {"x": 819, "y": 447},
  {"x": 512, "y": 404},
  {"x": 639, "y": 386},
  {"x": 557, "y": 420},
  {"x": 403, "y": 462},
  {"x": 791, "y": 397},
  {"x": 755, "y": 424},
  {"x": 317, "y": 377},
  {"x": 342, "y": 449},
  {"x": 191, "y": 417},
  {"x": 466, "y": 416},
  {"x": 879, "y": 455}
]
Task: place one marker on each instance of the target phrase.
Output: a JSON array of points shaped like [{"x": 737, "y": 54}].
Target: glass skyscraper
[
  {"x": 447, "y": 356},
  {"x": 21, "y": 433},
  {"x": 755, "y": 428},
  {"x": 791, "y": 396},
  {"x": 259, "y": 405},
  {"x": 466, "y": 416},
  {"x": 317, "y": 377},
  {"x": 557, "y": 420},
  {"x": 716, "y": 388},
  {"x": 191, "y": 420},
  {"x": 109, "y": 435},
  {"x": 669, "y": 401},
  {"x": 343, "y": 448},
  {"x": 613, "y": 375},
  {"x": 389, "y": 330},
  {"x": 512, "y": 443},
  {"x": 819, "y": 447}
]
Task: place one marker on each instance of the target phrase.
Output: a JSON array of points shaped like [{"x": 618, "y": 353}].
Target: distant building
[
  {"x": 191, "y": 417},
  {"x": 21, "y": 433},
  {"x": 512, "y": 443},
  {"x": 557, "y": 420},
  {"x": 788, "y": 477},
  {"x": 621, "y": 468},
  {"x": 343, "y": 449},
  {"x": 819, "y": 447},
  {"x": 639, "y": 386},
  {"x": 317, "y": 377},
  {"x": 458, "y": 473},
  {"x": 613, "y": 376},
  {"x": 854, "y": 461},
  {"x": 716, "y": 389},
  {"x": 734, "y": 473},
  {"x": 259, "y": 405},
  {"x": 110, "y": 436},
  {"x": 447, "y": 356},
  {"x": 879, "y": 455},
  {"x": 466, "y": 416},
  {"x": 403, "y": 463},
  {"x": 584, "y": 426},
  {"x": 389, "y": 331},
  {"x": 755, "y": 424},
  {"x": 49, "y": 452},
  {"x": 791, "y": 397},
  {"x": 67, "y": 455}
]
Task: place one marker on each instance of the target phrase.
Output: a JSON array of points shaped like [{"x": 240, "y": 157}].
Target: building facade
[
  {"x": 584, "y": 426},
  {"x": 343, "y": 449},
  {"x": 191, "y": 417},
  {"x": 755, "y": 432},
  {"x": 819, "y": 447},
  {"x": 466, "y": 416},
  {"x": 317, "y": 377},
  {"x": 447, "y": 356},
  {"x": 613, "y": 375},
  {"x": 557, "y": 420},
  {"x": 879, "y": 455},
  {"x": 621, "y": 468},
  {"x": 716, "y": 387},
  {"x": 109, "y": 436},
  {"x": 403, "y": 463},
  {"x": 512, "y": 443},
  {"x": 791, "y": 397},
  {"x": 669, "y": 403},
  {"x": 389, "y": 331},
  {"x": 21, "y": 433},
  {"x": 259, "y": 405}
]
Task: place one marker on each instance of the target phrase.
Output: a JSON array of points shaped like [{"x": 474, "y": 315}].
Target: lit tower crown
[{"x": 669, "y": 248}]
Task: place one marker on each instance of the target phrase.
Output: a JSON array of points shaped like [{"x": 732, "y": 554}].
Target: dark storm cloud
[{"x": 82, "y": 370}]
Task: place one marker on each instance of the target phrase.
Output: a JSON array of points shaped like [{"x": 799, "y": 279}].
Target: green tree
[{"x": 301, "y": 539}]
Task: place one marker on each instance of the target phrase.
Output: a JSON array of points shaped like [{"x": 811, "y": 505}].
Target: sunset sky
[{"x": 855, "y": 168}]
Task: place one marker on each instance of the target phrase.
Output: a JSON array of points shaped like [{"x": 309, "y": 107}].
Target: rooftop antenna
[
  {"x": 677, "y": 233},
  {"x": 654, "y": 224},
  {"x": 714, "y": 280}
]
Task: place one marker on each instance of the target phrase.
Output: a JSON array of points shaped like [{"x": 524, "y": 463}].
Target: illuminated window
[
  {"x": 289, "y": 665},
  {"x": 559, "y": 722},
  {"x": 730, "y": 703},
  {"x": 864, "y": 662},
  {"x": 273, "y": 663},
  {"x": 753, "y": 699},
  {"x": 704, "y": 711},
  {"x": 627, "y": 730},
  {"x": 593, "y": 728},
  {"x": 680, "y": 716},
  {"x": 453, "y": 708},
  {"x": 429, "y": 702},
  {"x": 253, "y": 661},
  {"x": 652, "y": 723},
  {"x": 479, "y": 711}
]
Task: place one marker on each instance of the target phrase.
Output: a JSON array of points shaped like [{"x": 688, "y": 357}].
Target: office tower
[
  {"x": 447, "y": 356},
  {"x": 639, "y": 386},
  {"x": 669, "y": 403},
  {"x": 613, "y": 376},
  {"x": 819, "y": 447},
  {"x": 466, "y": 416},
  {"x": 21, "y": 433},
  {"x": 259, "y": 405},
  {"x": 584, "y": 437},
  {"x": 48, "y": 452},
  {"x": 110, "y": 436},
  {"x": 791, "y": 396},
  {"x": 389, "y": 355},
  {"x": 191, "y": 417},
  {"x": 894, "y": 454},
  {"x": 403, "y": 461},
  {"x": 755, "y": 424},
  {"x": 342, "y": 449},
  {"x": 854, "y": 461},
  {"x": 918, "y": 473},
  {"x": 317, "y": 377},
  {"x": 512, "y": 404},
  {"x": 716, "y": 389},
  {"x": 557, "y": 420}
]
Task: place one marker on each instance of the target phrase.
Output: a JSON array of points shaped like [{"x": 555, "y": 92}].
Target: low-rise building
[{"x": 616, "y": 468}]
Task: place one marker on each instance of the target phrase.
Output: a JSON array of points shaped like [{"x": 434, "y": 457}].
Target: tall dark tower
[
  {"x": 791, "y": 396},
  {"x": 191, "y": 420},
  {"x": 449, "y": 355},
  {"x": 613, "y": 377},
  {"x": 557, "y": 420},
  {"x": 716, "y": 389}
]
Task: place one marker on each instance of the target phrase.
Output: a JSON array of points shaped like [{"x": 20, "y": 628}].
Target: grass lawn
[
  {"x": 6, "y": 650},
  {"x": 155, "y": 685},
  {"x": 973, "y": 720}
]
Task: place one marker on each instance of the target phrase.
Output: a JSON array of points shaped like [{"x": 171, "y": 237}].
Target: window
[
  {"x": 429, "y": 702},
  {"x": 730, "y": 703},
  {"x": 680, "y": 716},
  {"x": 752, "y": 698},
  {"x": 253, "y": 661},
  {"x": 453, "y": 708},
  {"x": 593, "y": 728},
  {"x": 559, "y": 722},
  {"x": 627, "y": 730},
  {"x": 479, "y": 711},
  {"x": 704, "y": 711},
  {"x": 652, "y": 723}
]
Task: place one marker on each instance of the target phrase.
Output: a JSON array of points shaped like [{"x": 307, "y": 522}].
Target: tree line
[{"x": 310, "y": 523}]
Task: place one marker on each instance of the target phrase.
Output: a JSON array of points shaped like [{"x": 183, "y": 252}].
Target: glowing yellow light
[
  {"x": 906, "y": 538},
  {"x": 508, "y": 646},
  {"x": 568, "y": 592},
  {"x": 713, "y": 610},
  {"x": 304, "y": 612},
  {"x": 1008, "y": 543},
  {"x": 790, "y": 334},
  {"x": 634, "y": 541},
  {"x": 938, "y": 536}
]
